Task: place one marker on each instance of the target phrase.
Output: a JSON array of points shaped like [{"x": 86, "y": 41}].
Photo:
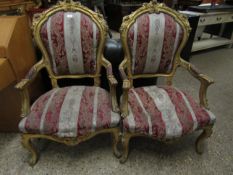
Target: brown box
[{"x": 17, "y": 56}]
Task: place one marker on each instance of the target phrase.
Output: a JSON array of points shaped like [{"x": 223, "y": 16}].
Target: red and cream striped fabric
[
  {"x": 164, "y": 112},
  {"x": 70, "y": 112},
  {"x": 71, "y": 40},
  {"x": 153, "y": 41}
]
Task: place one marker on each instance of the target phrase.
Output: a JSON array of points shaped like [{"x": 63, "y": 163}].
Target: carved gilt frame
[
  {"x": 128, "y": 77},
  {"x": 128, "y": 21},
  {"x": 45, "y": 63}
]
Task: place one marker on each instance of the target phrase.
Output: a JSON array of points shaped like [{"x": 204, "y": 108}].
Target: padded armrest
[{"x": 31, "y": 75}]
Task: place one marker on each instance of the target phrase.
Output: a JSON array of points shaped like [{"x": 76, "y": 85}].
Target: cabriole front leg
[
  {"x": 115, "y": 142},
  {"x": 26, "y": 142},
  {"x": 125, "y": 147},
  {"x": 200, "y": 140}
]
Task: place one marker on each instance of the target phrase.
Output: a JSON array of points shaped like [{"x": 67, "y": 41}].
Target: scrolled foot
[
  {"x": 117, "y": 153},
  {"x": 200, "y": 140},
  {"x": 26, "y": 142},
  {"x": 125, "y": 147},
  {"x": 123, "y": 158},
  {"x": 115, "y": 142},
  {"x": 32, "y": 161}
]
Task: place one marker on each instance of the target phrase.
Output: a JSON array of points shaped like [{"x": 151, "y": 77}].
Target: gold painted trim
[
  {"x": 70, "y": 141},
  {"x": 205, "y": 81},
  {"x": 45, "y": 63},
  {"x": 128, "y": 21},
  {"x": 71, "y": 6},
  {"x": 22, "y": 86},
  {"x": 207, "y": 132},
  {"x": 153, "y": 7},
  {"x": 112, "y": 84}
]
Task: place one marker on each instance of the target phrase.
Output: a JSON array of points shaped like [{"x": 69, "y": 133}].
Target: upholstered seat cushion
[
  {"x": 70, "y": 112},
  {"x": 164, "y": 112}
]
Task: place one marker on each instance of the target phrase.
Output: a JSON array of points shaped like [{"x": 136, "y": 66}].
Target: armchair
[
  {"x": 153, "y": 38},
  {"x": 71, "y": 38}
]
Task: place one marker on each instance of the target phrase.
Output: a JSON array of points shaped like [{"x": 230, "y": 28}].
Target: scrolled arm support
[
  {"x": 23, "y": 87},
  {"x": 31, "y": 75},
  {"x": 126, "y": 86},
  {"x": 25, "y": 100},
  {"x": 204, "y": 80},
  {"x": 112, "y": 84}
]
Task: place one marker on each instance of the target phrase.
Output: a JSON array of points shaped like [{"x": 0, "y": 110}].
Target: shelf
[{"x": 206, "y": 43}]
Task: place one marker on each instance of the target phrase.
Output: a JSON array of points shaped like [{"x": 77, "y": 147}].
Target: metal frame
[
  {"x": 128, "y": 77},
  {"x": 45, "y": 63}
]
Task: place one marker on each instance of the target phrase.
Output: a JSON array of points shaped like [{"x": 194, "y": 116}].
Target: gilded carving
[
  {"x": 154, "y": 7},
  {"x": 45, "y": 63}
]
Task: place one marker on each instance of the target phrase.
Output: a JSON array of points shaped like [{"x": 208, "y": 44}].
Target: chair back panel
[
  {"x": 153, "y": 40},
  {"x": 71, "y": 40}
]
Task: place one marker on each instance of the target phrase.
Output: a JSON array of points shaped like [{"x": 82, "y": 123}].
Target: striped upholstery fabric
[
  {"x": 71, "y": 39},
  {"x": 70, "y": 112},
  {"x": 153, "y": 40},
  {"x": 164, "y": 112}
]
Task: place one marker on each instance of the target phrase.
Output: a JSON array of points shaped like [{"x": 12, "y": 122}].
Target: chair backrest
[
  {"x": 153, "y": 37},
  {"x": 71, "y": 38}
]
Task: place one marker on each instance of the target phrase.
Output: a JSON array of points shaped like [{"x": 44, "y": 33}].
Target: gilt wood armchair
[
  {"x": 71, "y": 38},
  {"x": 153, "y": 38}
]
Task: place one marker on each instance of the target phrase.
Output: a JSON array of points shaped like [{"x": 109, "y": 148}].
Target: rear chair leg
[
  {"x": 26, "y": 142},
  {"x": 115, "y": 142},
  {"x": 200, "y": 140},
  {"x": 125, "y": 147}
]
